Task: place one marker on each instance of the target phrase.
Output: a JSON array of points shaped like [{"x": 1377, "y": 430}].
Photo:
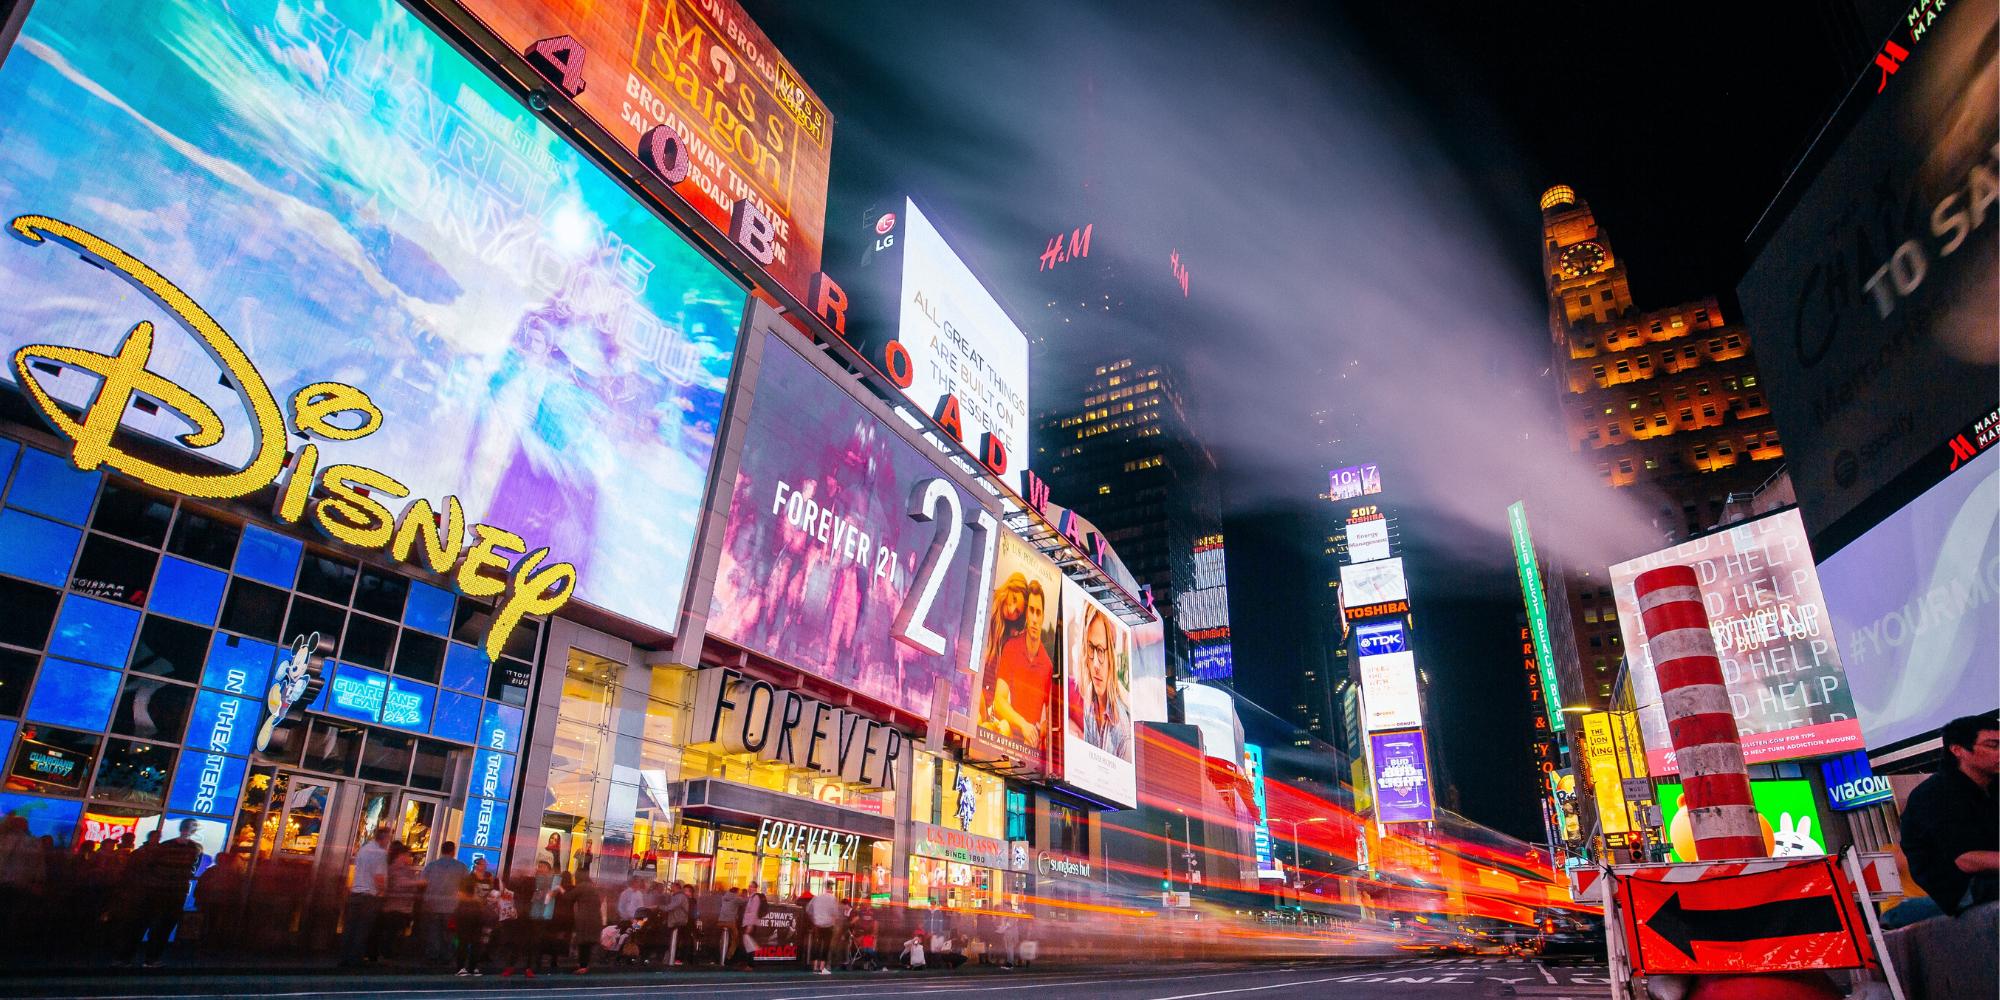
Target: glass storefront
[
  {"x": 139, "y": 640},
  {"x": 959, "y": 857},
  {"x": 618, "y": 784}
]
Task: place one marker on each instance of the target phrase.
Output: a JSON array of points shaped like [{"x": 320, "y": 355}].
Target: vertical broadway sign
[{"x": 1538, "y": 610}]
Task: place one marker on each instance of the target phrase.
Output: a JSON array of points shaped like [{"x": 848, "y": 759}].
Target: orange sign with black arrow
[{"x": 1777, "y": 915}]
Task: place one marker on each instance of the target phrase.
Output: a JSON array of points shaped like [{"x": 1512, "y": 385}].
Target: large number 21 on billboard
[{"x": 848, "y": 554}]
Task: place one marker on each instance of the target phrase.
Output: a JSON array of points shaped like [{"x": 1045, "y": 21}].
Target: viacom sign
[{"x": 746, "y": 715}]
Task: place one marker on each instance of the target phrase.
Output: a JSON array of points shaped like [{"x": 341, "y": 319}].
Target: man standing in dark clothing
[
  {"x": 160, "y": 873},
  {"x": 1951, "y": 826}
]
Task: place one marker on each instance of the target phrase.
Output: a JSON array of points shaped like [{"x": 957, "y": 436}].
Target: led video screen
[{"x": 354, "y": 201}]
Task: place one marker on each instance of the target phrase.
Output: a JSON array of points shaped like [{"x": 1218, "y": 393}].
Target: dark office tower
[
  {"x": 1117, "y": 447},
  {"x": 1666, "y": 400}
]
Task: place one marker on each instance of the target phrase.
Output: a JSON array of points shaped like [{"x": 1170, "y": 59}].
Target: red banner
[{"x": 1742, "y": 916}]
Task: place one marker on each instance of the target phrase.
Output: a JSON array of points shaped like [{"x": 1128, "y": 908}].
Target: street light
[{"x": 1295, "y": 824}]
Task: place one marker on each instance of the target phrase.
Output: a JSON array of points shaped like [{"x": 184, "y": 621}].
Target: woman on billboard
[
  {"x": 1016, "y": 666},
  {"x": 1097, "y": 700}
]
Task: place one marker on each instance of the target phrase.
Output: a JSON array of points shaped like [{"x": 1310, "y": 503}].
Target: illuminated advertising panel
[
  {"x": 1876, "y": 291},
  {"x": 753, "y": 129},
  {"x": 357, "y": 203},
  {"x": 1097, "y": 733},
  {"x": 1213, "y": 711},
  {"x": 1402, "y": 777},
  {"x": 1538, "y": 612},
  {"x": 1389, "y": 691},
  {"x": 1149, "y": 672},
  {"x": 1378, "y": 638},
  {"x": 1785, "y": 809},
  {"x": 1851, "y": 783},
  {"x": 1779, "y": 659},
  {"x": 1378, "y": 582},
  {"x": 823, "y": 565},
  {"x": 1212, "y": 661},
  {"x": 1611, "y": 752},
  {"x": 1354, "y": 481},
  {"x": 1253, "y": 768},
  {"x": 1017, "y": 664},
  {"x": 1912, "y": 607},
  {"x": 1368, "y": 540},
  {"x": 958, "y": 345}
]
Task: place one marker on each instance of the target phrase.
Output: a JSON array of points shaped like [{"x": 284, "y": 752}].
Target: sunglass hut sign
[{"x": 478, "y": 561}]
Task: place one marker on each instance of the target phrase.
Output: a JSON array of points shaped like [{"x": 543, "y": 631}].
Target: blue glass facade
[{"x": 142, "y": 637}]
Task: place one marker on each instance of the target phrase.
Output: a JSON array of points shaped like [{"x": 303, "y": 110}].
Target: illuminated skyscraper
[{"x": 1666, "y": 401}]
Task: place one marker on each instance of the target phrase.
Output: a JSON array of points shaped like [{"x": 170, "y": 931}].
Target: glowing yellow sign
[{"x": 348, "y": 510}]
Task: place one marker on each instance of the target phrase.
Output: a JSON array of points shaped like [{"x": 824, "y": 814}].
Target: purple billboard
[
  {"x": 848, "y": 554},
  {"x": 1402, "y": 777}
]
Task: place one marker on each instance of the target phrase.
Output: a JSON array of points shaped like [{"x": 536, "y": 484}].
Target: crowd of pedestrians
[{"x": 132, "y": 902}]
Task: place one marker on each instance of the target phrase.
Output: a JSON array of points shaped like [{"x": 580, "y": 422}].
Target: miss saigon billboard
[
  {"x": 753, "y": 131},
  {"x": 849, "y": 554},
  {"x": 327, "y": 201}
]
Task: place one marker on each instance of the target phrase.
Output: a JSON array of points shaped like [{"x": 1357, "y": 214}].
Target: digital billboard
[
  {"x": 1211, "y": 661},
  {"x": 1873, "y": 290},
  {"x": 1368, "y": 539},
  {"x": 752, "y": 127},
  {"x": 1402, "y": 777},
  {"x": 1377, "y": 638},
  {"x": 1354, "y": 481},
  {"x": 1097, "y": 748},
  {"x": 357, "y": 203},
  {"x": 1389, "y": 691},
  {"x": 956, "y": 353},
  {"x": 1149, "y": 672},
  {"x": 1253, "y": 768},
  {"x": 1017, "y": 662},
  {"x": 1779, "y": 659},
  {"x": 1212, "y": 711},
  {"x": 1912, "y": 607},
  {"x": 823, "y": 565},
  {"x": 1378, "y": 582},
  {"x": 1785, "y": 809},
  {"x": 1611, "y": 751}
]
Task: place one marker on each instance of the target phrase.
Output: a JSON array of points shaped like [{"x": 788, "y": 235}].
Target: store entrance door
[
  {"x": 412, "y": 818},
  {"x": 280, "y": 835}
]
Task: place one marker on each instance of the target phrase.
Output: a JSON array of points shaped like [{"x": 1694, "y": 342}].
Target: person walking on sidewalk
[
  {"x": 364, "y": 897},
  {"x": 728, "y": 924},
  {"x": 823, "y": 913},
  {"x": 753, "y": 911},
  {"x": 161, "y": 872},
  {"x": 442, "y": 878}
]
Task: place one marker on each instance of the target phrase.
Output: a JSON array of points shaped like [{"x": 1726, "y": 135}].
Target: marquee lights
[{"x": 349, "y": 510}]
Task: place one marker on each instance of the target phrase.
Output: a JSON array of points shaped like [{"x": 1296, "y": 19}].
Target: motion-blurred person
[
  {"x": 587, "y": 920},
  {"x": 364, "y": 898},
  {"x": 728, "y": 924},
  {"x": 823, "y": 916},
  {"x": 442, "y": 879},
  {"x": 753, "y": 911},
  {"x": 161, "y": 871},
  {"x": 399, "y": 903},
  {"x": 1951, "y": 825},
  {"x": 473, "y": 915},
  {"x": 23, "y": 871},
  {"x": 679, "y": 905},
  {"x": 218, "y": 900}
]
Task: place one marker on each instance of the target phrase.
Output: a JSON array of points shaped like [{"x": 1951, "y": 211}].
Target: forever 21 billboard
[{"x": 848, "y": 553}]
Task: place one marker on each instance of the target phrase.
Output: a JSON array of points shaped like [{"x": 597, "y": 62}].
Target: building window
[
  {"x": 1659, "y": 420},
  {"x": 1722, "y": 448},
  {"x": 1708, "y": 410},
  {"x": 1597, "y": 372},
  {"x": 1632, "y": 404},
  {"x": 1615, "y": 432},
  {"x": 1625, "y": 465},
  {"x": 1770, "y": 439},
  {"x": 1756, "y": 400},
  {"x": 1701, "y": 316},
  {"x": 1687, "y": 414},
  {"x": 1656, "y": 326},
  {"x": 1701, "y": 388},
  {"x": 1585, "y": 298},
  {"x": 1715, "y": 346},
  {"x": 1677, "y": 324},
  {"x": 1652, "y": 463},
  {"x": 1638, "y": 424},
  {"x": 1624, "y": 367},
  {"x": 1681, "y": 393},
  {"x": 1749, "y": 381},
  {"x": 1701, "y": 453},
  {"x": 1104, "y": 489},
  {"x": 1733, "y": 341},
  {"x": 1645, "y": 362}
]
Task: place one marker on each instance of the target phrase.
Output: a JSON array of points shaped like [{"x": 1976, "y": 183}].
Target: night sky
[{"x": 1353, "y": 187}]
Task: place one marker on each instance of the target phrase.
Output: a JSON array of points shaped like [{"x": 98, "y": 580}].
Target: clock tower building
[{"x": 1665, "y": 402}]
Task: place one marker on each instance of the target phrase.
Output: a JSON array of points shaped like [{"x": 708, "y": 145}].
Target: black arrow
[{"x": 1681, "y": 927}]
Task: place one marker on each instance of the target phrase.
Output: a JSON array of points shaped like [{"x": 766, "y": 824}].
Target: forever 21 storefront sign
[
  {"x": 745, "y": 715},
  {"x": 349, "y": 511}
]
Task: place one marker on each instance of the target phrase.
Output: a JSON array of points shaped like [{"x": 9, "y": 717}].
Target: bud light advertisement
[{"x": 1402, "y": 777}]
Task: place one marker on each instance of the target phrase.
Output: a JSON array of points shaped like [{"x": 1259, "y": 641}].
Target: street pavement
[{"x": 1398, "y": 978}]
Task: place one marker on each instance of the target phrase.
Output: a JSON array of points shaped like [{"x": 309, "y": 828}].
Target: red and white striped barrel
[{"x": 1715, "y": 784}]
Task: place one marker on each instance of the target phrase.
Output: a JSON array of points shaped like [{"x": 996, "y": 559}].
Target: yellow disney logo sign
[{"x": 348, "y": 512}]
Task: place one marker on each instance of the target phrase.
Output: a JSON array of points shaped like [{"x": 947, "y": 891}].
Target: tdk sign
[
  {"x": 1851, "y": 783},
  {"x": 1379, "y": 638}
]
